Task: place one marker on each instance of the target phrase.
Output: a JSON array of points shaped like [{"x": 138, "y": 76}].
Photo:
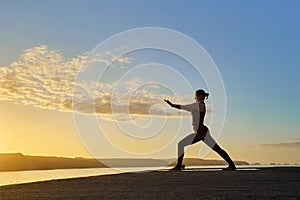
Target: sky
[{"x": 254, "y": 44}]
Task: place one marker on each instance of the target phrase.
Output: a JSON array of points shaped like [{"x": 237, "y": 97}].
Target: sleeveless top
[{"x": 198, "y": 111}]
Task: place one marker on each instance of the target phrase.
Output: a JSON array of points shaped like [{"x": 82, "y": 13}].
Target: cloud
[
  {"x": 40, "y": 77},
  {"x": 44, "y": 78},
  {"x": 282, "y": 145}
]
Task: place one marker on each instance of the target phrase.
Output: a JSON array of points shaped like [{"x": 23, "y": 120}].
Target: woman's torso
[{"x": 198, "y": 111}]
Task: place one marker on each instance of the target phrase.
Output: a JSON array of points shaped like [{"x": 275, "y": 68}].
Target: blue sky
[{"x": 255, "y": 45}]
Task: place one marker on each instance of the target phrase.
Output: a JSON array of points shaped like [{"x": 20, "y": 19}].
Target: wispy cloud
[
  {"x": 44, "y": 78},
  {"x": 282, "y": 145},
  {"x": 39, "y": 77}
]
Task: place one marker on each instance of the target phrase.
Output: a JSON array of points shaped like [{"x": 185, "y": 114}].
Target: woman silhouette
[{"x": 201, "y": 132}]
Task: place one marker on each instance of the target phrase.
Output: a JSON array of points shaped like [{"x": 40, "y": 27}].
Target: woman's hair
[{"x": 202, "y": 93}]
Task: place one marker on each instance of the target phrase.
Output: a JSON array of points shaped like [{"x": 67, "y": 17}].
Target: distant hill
[
  {"x": 20, "y": 162},
  {"x": 201, "y": 162}
]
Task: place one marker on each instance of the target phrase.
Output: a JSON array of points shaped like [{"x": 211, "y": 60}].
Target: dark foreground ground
[{"x": 271, "y": 183}]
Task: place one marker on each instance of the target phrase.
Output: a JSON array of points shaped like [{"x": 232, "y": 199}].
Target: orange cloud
[{"x": 43, "y": 78}]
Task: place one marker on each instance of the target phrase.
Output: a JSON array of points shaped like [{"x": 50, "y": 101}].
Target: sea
[{"x": 21, "y": 177}]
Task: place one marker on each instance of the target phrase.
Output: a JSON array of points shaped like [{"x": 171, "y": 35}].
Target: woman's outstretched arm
[{"x": 172, "y": 105}]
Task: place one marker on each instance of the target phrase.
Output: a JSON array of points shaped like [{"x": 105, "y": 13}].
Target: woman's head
[{"x": 200, "y": 95}]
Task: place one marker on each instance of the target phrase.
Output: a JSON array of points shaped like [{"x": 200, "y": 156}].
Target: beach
[{"x": 265, "y": 183}]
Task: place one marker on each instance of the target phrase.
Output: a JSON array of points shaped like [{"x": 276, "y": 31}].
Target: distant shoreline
[{"x": 20, "y": 162}]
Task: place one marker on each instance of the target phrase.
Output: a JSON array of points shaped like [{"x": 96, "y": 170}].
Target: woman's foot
[{"x": 178, "y": 167}]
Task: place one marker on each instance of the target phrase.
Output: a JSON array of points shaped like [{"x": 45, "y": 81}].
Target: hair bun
[{"x": 202, "y": 93}]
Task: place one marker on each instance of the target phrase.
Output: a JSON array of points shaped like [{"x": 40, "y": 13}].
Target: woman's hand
[{"x": 168, "y": 102}]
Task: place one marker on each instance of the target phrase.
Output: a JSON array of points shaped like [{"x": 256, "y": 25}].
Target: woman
[{"x": 201, "y": 132}]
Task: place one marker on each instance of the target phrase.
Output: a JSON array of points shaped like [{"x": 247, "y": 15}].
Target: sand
[{"x": 271, "y": 183}]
